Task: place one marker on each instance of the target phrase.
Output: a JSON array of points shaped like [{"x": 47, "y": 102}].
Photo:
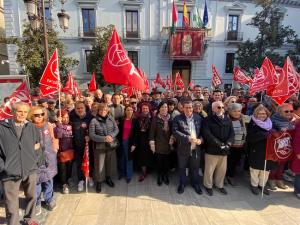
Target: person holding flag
[{"x": 295, "y": 163}]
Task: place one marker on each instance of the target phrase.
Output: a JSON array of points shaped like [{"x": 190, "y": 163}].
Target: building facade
[{"x": 144, "y": 28}]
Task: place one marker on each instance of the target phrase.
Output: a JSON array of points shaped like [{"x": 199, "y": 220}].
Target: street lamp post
[{"x": 37, "y": 17}]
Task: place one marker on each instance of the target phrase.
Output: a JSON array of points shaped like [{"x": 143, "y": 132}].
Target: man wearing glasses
[
  {"x": 218, "y": 135},
  {"x": 19, "y": 152}
]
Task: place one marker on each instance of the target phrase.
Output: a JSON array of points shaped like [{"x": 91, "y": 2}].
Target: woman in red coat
[{"x": 295, "y": 165}]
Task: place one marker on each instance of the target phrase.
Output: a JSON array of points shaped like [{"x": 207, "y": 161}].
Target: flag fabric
[
  {"x": 117, "y": 68},
  {"x": 46, "y": 90},
  {"x": 178, "y": 81},
  {"x": 197, "y": 22},
  {"x": 50, "y": 77},
  {"x": 186, "y": 21},
  {"x": 270, "y": 74},
  {"x": 205, "y": 15},
  {"x": 145, "y": 78},
  {"x": 159, "y": 81},
  {"x": 279, "y": 146},
  {"x": 216, "y": 78},
  {"x": 93, "y": 84},
  {"x": 69, "y": 87},
  {"x": 191, "y": 85},
  {"x": 174, "y": 18},
  {"x": 293, "y": 76},
  {"x": 128, "y": 90},
  {"x": 240, "y": 77},
  {"x": 21, "y": 94},
  {"x": 281, "y": 91},
  {"x": 77, "y": 91},
  {"x": 169, "y": 82},
  {"x": 260, "y": 82},
  {"x": 153, "y": 84},
  {"x": 85, "y": 165}
]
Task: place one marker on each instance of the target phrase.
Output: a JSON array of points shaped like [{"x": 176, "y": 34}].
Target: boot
[
  {"x": 280, "y": 184},
  {"x": 109, "y": 182},
  {"x": 159, "y": 180},
  {"x": 98, "y": 187},
  {"x": 272, "y": 184},
  {"x": 166, "y": 179}
]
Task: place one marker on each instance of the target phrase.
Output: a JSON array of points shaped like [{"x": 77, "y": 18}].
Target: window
[
  {"x": 132, "y": 24},
  {"x": 87, "y": 60},
  {"x": 229, "y": 62},
  {"x": 47, "y": 13},
  {"x": 180, "y": 19},
  {"x": 233, "y": 23},
  {"x": 133, "y": 55},
  {"x": 88, "y": 19}
]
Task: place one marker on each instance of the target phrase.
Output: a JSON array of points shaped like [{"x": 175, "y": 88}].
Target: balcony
[
  {"x": 234, "y": 36},
  {"x": 132, "y": 35},
  {"x": 86, "y": 33}
]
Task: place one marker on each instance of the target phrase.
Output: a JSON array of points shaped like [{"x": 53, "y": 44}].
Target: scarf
[
  {"x": 266, "y": 125},
  {"x": 165, "y": 119},
  {"x": 144, "y": 122}
]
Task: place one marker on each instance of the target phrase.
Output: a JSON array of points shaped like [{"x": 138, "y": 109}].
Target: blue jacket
[{"x": 182, "y": 133}]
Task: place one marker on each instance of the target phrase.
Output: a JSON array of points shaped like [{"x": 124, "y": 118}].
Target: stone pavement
[{"x": 146, "y": 203}]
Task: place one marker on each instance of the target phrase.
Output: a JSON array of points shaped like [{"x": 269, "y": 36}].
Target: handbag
[{"x": 65, "y": 156}]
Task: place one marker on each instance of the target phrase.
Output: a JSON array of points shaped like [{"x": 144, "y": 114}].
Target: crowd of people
[{"x": 198, "y": 132}]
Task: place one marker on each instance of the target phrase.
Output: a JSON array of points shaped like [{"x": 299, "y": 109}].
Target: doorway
[{"x": 184, "y": 68}]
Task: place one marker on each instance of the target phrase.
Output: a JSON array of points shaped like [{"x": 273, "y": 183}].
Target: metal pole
[
  {"x": 45, "y": 33},
  {"x": 264, "y": 179}
]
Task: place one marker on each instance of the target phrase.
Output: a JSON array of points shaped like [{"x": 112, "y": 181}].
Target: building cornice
[{"x": 287, "y": 3}]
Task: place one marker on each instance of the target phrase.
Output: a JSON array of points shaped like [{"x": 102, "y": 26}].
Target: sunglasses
[
  {"x": 220, "y": 107},
  {"x": 39, "y": 114},
  {"x": 289, "y": 111}
]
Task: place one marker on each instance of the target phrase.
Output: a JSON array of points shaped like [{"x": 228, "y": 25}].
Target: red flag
[
  {"x": 270, "y": 74},
  {"x": 117, "y": 68},
  {"x": 159, "y": 81},
  {"x": 85, "y": 166},
  {"x": 93, "y": 84},
  {"x": 69, "y": 88},
  {"x": 145, "y": 78},
  {"x": 279, "y": 147},
  {"x": 280, "y": 92},
  {"x": 191, "y": 85},
  {"x": 174, "y": 13},
  {"x": 128, "y": 90},
  {"x": 240, "y": 77},
  {"x": 21, "y": 94},
  {"x": 293, "y": 76},
  {"x": 46, "y": 90},
  {"x": 50, "y": 77},
  {"x": 77, "y": 91},
  {"x": 216, "y": 78},
  {"x": 178, "y": 81},
  {"x": 259, "y": 82},
  {"x": 169, "y": 82}
]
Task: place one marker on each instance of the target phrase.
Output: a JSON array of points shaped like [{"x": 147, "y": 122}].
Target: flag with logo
[
  {"x": 216, "y": 78},
  {"x": 21, "y": 94},
  {"x": 179, "y": 82},
  {"x": 197, "y": 22},
  {"x": 279, "y": 146},
  {"x": 240, "y": 77},
  {"x": 159, "y": 81},
  {"x": 280, "y": 93},
  {"x": 293, "y": 76},
  {"x": 169, "y": 82},
  {"x": 93, "y": 84},
  {"x": 174, "y": 18},
  {"x": 69, "y": 87},
  {"x": 186, "y": 20},
  {"x": 85, "y": 165}
]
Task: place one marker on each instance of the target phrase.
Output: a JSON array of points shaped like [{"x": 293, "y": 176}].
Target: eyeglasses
[
  {"x": 289, "y": 111},
  {"x": 133, "y": 103},
  {"x": 220, "y": 107},
  {"x": 39, "y": 114}
]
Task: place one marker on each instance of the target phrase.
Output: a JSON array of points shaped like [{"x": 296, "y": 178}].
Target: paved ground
[{"x": 146, "y": 203}]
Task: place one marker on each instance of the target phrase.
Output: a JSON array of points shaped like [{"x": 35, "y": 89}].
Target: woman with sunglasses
[
  {"x": 38, "y": 116},
  {"x": 282, "y": 121},
  {"x": 256, "y": 141},
  {"x": 229, "y": 100}
]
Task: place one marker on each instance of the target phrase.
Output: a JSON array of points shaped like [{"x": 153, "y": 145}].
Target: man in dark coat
[
  {"x": 218, "y": 135},
  {"x": 187, "y": 132},
  {"x": 19, "y": 154}
]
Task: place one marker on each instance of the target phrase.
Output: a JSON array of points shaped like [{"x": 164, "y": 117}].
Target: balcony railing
[
  {"x": 234, "y": 36},
  {"x": 86, "y": 33},
  {"x": 132, "y": 35}
]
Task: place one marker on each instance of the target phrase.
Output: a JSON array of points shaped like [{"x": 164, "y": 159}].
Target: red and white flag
[
  {"x": 117, "y": 68},
  {"x": 145, "y": 78},
  {"x": 69, "y": 88},
  {"x": 50, "y": 79},
  {"x": 270, "y": 73},
  {"x": 128, "y": 90},
  {"x": 169, "y": 82},
  {"x": 191, "y": 85},
  {"x": 240, "y": 77},
  {"x": 280, "y": 92},
  {"x": 293, "y": 76},
  {"x": 216, "y": 78},
  {"x": 21, "y": 94},
  {"x": 85, "y": 166},
  {"x": 259, "y": 82},
  {"x": 178, "y": 81},
  {"x": 93, "y": 84},
  {"x": 159, "y": 81}
]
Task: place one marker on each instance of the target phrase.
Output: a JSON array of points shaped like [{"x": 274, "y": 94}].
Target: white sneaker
[
  {"x": 80, "y": 186},
  {"x": 65, "y": 189},
  {"x": 91, "y": 182}
]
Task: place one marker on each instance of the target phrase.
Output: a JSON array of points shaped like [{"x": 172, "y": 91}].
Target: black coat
[
  {"x": 217, "y": 131},
  {"x": 256, "y": 142},
  {"x": 181, "y": 132},
  {"x": 130, "y": 139},
  {"x": 18, "y": 157},
  {"x": 160, "y": 136}
]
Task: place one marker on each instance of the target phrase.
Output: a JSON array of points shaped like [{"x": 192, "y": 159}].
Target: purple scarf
[{"x": 266, "y": 125}]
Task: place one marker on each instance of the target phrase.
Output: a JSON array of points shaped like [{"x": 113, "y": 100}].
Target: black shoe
[
  {"x": 254, "y": 190},
  {"x": 198, "y": 189},
  {"x": 209, "y": 191},
  {"x": 128, "y": 180},
  {"x": 159, "y": 180},
  {"x": 180, "y": 189},
  {"x": 222, "y": 191},
  {"x": 266, "y": 191},
  {"x": 166, "y": 179},
  {"x": 231, "y": 181},
  {"x": 120, "y": 177},
  {"x": 98, "y": 187},
  {"x": 109, "y": 182}
]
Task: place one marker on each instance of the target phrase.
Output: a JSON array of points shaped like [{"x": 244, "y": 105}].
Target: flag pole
[
  {"x": 59, "y": 86},
  {"x": 86, "y": 185},
  {"x": 264, "y": 178}
]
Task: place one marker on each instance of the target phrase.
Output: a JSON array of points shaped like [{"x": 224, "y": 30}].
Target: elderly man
[
  {"x": 216, "y": 96},
  {"x": 98, "y": 96},
  {"x": 116, "y": 109},
  {"x": 186, "y": 130},
  {"x": 19, "y": 151},
  {"x": 282, "y": 120},
  {"x": 219, "y": 135}
]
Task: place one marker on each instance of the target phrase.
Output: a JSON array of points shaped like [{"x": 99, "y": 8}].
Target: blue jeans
[
  {"x": 47, "y": 188},
  {"x": 126, "y": 165},
  {"x": 297, "y": 184}
]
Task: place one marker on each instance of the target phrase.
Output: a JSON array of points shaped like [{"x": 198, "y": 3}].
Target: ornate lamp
[{"x": 63, "y": 18}]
